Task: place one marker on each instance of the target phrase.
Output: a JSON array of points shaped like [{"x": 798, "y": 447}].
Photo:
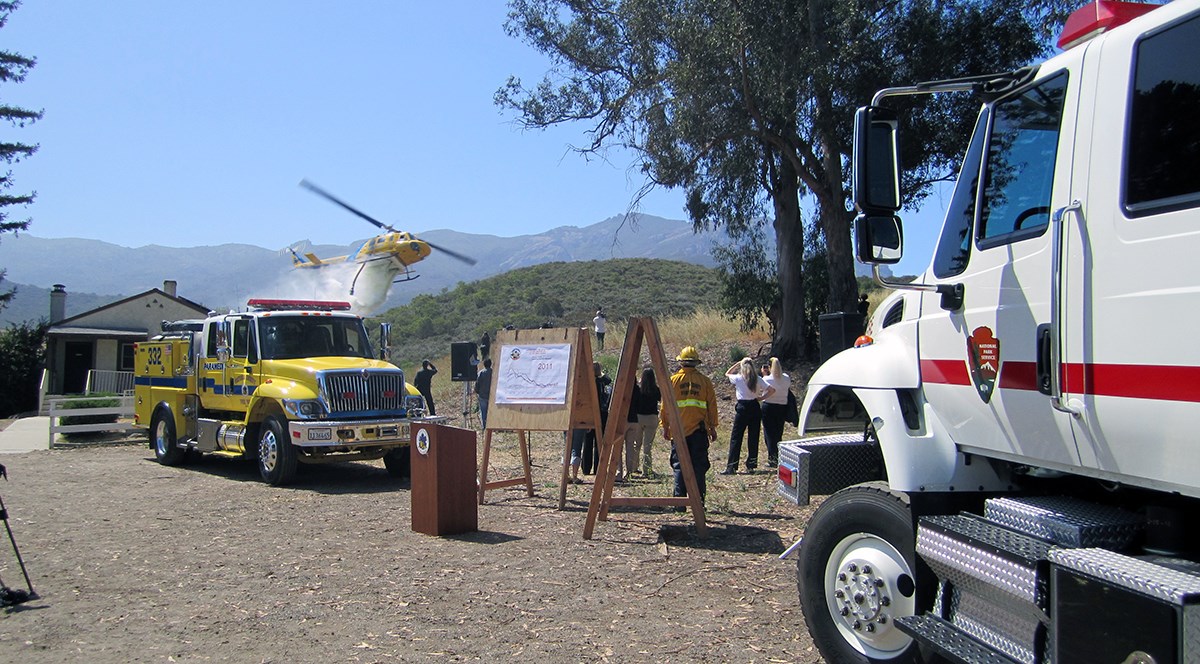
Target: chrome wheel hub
[
  {"x": 868, "y": 585},
  {"x": 268, "y": 450}
]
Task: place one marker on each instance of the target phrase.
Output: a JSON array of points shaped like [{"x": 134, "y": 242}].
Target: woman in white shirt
[
  {"x": 774, "y": 408},
  {"x": 747, "y": 415}
]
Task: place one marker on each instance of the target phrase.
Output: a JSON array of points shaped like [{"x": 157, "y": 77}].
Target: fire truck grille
[{"x": 357, "y": 392}]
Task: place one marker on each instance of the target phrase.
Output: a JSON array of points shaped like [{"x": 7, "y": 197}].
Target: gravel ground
[{"x": 134, "y": 561}]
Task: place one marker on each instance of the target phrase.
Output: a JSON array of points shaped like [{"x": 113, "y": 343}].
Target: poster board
[{"x": 543, "y": 382}]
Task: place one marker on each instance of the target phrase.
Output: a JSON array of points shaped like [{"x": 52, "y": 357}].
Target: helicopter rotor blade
[
  {"x": 453, "y": 254},
  {"x": 350, "y": 208}
]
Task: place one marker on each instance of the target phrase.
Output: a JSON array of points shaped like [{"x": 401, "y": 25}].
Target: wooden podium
[{"x": 443, "y": 489}]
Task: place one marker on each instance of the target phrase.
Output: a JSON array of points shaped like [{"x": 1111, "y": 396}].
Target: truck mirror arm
[{"x": 952, "y": 294}]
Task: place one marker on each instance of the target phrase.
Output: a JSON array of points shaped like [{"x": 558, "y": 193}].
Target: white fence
[{"x": 58, "y": 409}]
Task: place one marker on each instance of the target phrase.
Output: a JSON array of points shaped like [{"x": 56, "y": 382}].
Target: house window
[{"x": 127, "y": 357}]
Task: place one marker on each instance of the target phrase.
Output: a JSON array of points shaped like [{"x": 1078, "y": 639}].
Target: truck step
[
  {"x": 950, "y": 642},
  {"x": 1066, "y": 521},
  {"x": 994, "y": 582},
  {"x": 974, "y": 553}
]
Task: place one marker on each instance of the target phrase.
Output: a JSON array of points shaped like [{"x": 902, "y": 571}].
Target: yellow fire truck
[{"x": 285, "y": 382}]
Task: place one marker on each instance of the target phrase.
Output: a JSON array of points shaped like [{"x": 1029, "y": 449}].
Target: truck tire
[
  {"x": 398, "y": 462},
  {"x": 276, "y": 455},
  {"x": 162, "y": 438},
  {"x": 858, "y": 571}
]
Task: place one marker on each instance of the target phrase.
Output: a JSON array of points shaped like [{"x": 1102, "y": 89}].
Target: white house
[{"x": 103, "y": 338}]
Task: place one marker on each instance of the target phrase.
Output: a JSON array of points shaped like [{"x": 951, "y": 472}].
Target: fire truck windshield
[{"x": 291, "y": 337}]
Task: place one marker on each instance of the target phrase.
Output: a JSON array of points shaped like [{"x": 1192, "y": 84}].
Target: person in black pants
[
  {"x": 423, "y": 381},
  {"x": 747, "y": 417},
  {"x": 591, "y": 446},
  {"x": 696, "y": 400},
  {"x": 774, "y": 408}
]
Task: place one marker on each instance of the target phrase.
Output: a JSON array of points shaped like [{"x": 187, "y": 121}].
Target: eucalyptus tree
[{"x": 747, "y": 104}]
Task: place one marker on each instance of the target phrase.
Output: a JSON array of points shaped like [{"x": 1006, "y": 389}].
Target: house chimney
[
  {"x": 58, "y": 303},
  {"x": 169, "y": 287}
]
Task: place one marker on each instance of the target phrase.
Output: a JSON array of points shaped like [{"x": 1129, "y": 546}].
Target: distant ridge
[{"x": 225, "y": 276}]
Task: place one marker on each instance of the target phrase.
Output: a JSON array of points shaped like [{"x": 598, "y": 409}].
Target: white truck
[{"x": 1032, "y": 393}]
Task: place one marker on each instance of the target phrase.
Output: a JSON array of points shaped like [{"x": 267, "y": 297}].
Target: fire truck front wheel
[
  {"x": 397, "y": 462},
  {"x": 858, "y": 573},
  {"x": 276, "y": 455},
  {"x": 162, "y": 436}
]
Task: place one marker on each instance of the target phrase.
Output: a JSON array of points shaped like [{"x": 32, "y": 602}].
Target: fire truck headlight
[{"x": 306, "y": 409}]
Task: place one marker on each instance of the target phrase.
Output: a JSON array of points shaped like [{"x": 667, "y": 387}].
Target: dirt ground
[{"x": 134, "y": 561}]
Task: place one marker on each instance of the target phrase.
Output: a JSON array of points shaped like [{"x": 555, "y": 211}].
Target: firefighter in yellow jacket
[{"x": 697, "y": 401}]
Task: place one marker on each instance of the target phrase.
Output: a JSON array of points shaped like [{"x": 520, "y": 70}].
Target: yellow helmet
[{"x": 689, "y": 354}]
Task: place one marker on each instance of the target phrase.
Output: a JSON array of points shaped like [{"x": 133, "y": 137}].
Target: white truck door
[
  {"x": 979, "y": 361},
  {"x": 1132, "y": 291}
]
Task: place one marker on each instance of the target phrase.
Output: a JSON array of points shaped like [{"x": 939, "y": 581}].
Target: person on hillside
[
  {"x": 485, "y": 346},
  {"x": 697, "y": 402},
  {"x": 600, "y": 323},
  {"x": 591, "y": 447},
  {"x": 423, "y": 381},
  {"x": 747, "y": 415},
  {"x": 483, "y": 390},
  {"x": 647, "y": 416},
  {"x": 774, "y": 407}
]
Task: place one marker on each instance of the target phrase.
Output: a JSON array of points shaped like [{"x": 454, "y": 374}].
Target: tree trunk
[
  {"x": 789, "y": 341},
  {"x": 843, "y": 286}
]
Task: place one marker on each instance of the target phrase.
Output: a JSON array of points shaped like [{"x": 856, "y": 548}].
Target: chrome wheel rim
[
  {"x": 868, "y": 584},
  {"x": 160, "y": 437},
  {"x": 268, "y": 450}
]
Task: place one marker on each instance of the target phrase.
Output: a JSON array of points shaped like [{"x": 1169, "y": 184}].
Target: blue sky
[{"x": 186, "y": 124}]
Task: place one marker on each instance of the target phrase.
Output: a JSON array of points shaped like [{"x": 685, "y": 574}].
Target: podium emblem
[{"x": 423, "y": 441}]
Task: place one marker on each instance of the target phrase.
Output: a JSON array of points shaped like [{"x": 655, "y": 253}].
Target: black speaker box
[
  {"x": 838, "y": 331},
  {"x": 463, "y": 361}
]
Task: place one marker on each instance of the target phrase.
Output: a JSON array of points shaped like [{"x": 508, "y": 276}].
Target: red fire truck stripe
[
  {"x": 949, "y": 372},
  {"x": 1129, "y": 381}
]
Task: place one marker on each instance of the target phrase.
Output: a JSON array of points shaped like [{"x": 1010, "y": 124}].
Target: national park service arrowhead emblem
[{"x": 983, "y": 356}]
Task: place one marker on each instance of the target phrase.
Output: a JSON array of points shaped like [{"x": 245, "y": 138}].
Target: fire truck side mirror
[
  {"x": 876, "y": 161},
  {"x": 878, "y": 239}
]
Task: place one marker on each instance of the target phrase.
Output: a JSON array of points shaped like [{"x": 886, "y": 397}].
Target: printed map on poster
[{"x": 533, "y": 374}]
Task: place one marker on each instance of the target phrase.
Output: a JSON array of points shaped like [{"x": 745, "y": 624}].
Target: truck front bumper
[{"x": 350, "y": 434}]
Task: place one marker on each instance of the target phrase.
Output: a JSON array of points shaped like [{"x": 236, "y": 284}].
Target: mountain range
[{"x": 225, "y": 276}]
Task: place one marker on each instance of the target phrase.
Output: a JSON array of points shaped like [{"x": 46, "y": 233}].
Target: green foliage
[
  {"x": 747, "y": 105},
  {"x": 523, "y": 298},
  {"x": 13, "y": 69},
  {"x": 22, "y": 355},
  {"x": 736, "y": 353},
  {"x": 749, "y": 284},
  {"x": 98, "y": 400}
]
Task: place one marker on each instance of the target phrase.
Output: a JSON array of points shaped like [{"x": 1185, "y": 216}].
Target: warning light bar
[
  {"x": 293, "y": 305},
  {"x": 1096, "y": 17}
]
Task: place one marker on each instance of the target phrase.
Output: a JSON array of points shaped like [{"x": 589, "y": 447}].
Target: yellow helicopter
[{"x": 379, "y": 262}]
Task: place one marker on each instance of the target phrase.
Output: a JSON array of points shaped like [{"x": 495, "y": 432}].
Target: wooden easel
[
  {"x": 640, "y": 329},
  {"x": 581, "y": 410}
]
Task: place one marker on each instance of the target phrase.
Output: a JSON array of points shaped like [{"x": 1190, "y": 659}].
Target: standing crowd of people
[{"x": 765, "y": 402}]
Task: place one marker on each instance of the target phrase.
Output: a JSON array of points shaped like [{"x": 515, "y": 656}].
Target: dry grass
[{"x": 703, "y": 329}]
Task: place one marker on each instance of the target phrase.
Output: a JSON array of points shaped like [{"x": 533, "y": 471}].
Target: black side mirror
[
  {"x": 878, "y": 239},
  {"x": 876, "y": 161}
]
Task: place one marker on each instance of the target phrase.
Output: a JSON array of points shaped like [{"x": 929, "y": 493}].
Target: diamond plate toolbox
[{"x": 824, "y": 465}]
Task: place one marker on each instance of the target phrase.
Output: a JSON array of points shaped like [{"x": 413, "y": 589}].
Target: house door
[{"x": 77, "y": 363}]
